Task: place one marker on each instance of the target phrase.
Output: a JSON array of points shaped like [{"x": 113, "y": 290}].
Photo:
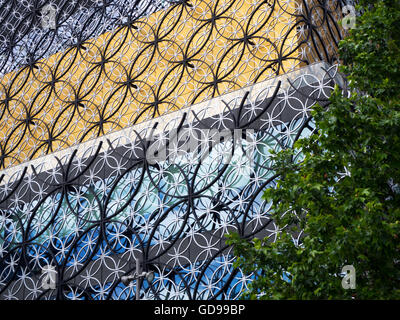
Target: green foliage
[{"x": 351, "y": 219}]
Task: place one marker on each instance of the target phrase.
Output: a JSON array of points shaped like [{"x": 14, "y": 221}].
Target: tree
[{"x": 346, "y": 219}]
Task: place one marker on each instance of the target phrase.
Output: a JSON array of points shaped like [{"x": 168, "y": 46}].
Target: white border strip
[{"x": 214, "y": 106}]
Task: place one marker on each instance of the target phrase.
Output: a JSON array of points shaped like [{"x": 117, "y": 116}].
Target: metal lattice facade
[
  {"x": 84, "y": 115},
  {"x": 149, "y": 66}
]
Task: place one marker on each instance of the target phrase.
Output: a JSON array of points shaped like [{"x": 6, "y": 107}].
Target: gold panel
[{"x": 171, "y": 59}]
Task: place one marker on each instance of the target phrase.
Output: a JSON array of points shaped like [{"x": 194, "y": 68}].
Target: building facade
[{"x": 138, "y": 133}]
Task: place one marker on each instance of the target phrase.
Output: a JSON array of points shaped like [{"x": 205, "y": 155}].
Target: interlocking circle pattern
[
  {"x": 106, "y": 65},
  {"x": 95, "y": 212}
]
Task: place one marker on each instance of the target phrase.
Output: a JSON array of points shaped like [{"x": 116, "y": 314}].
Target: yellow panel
[{"x": 166, "y": 61}]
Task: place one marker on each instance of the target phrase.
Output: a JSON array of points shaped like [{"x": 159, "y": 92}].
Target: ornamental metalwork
[
  {"x": 76, "y": 70},
  {"x": 74, "y": 222}
]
